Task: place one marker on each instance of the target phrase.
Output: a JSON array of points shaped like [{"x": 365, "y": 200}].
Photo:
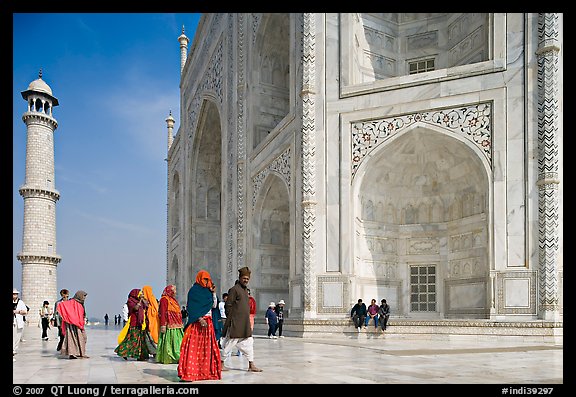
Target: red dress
[{"x": 199, "y": 353}]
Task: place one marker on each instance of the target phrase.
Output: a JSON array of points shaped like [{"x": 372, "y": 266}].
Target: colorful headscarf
[
  {"x": 203, "y": 278},
  {"x": 200, "y": 297},
  {"x": 133, "y": 300},
  {"x": 80, "y": 296},
  {"x": 169, "y": 294},
  {"x": 152, "y": 312}
]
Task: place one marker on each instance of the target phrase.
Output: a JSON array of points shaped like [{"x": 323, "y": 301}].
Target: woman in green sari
[{"x": 171, "y": 327}]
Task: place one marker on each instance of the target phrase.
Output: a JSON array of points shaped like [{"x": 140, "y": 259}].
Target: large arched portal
[
  {"x": 205, "y": 192},
  {"x": 421, "y": 227},
  {"x": 271, "y": 244}
]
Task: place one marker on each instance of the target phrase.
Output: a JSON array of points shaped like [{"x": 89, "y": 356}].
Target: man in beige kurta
[{"x": 237, "y": 332}]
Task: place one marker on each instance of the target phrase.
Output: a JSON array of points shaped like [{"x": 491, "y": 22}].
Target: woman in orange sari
[
  {"x": 199, "y": 353},
  {"x": 152, "y": 325}
]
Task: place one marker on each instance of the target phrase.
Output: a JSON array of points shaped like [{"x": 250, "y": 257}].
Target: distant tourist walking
[
  {"x": 222, "y": 314},
  {"x": 45, "y": 317},
  {"x": 279, "y": 309},
  {"x": 171, "y": 327},
  {"x": 73, "y": 316},
  {"x": 199, "y": 353},
  {"x": 184, "y": 314},
  {"x": 272, "y": 320},
  {"x": 125, "y": 314},
  {"x": 19, "y": 312},
  {"x": 64, "y": 293},
  {"x": 106, "y": 319}
]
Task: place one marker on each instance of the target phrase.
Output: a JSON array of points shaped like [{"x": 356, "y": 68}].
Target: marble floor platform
[{"x": 357, "y": 359}]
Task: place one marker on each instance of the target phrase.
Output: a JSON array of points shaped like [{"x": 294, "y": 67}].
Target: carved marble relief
[{"x": 473, "y": 122}]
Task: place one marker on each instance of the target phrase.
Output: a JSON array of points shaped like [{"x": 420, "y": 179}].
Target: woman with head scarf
[
  {"x": 152, "y": 323},
  {"x": 73, "y": 317},
  {"x": 199, "y": 353},
  {"x": 134, "y": 344},
  {"x": 171, "y": 327}
]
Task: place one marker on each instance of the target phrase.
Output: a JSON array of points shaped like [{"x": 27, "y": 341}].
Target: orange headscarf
[
  {"x": 152, "y": 312},
  {"x": 169, "y": 294},
  {"x": 203, "y": 278}
]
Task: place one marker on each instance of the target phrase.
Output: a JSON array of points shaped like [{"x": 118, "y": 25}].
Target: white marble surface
[{"x": 366, "y": 358}]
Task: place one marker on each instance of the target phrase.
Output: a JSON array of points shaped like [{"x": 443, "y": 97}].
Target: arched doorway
[
  {"x": 271, "y": 245},
  {"x": 421, "y": 226},
  {"x": 205, "y": 197}
]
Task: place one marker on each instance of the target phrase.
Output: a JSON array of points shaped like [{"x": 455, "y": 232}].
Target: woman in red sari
[
  {"x": 134, "y": 344},
  {"x": 73, "y": 320},
  {"x": 199, "y": 353}
]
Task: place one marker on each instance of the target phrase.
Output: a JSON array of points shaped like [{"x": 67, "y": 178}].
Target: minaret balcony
[
  {"x": 36, "y": 258},
  {"x": 32, "y": 117},
  {"x": 29, "y": 191}
]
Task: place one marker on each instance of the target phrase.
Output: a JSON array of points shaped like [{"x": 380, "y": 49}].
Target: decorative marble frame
[
  {"x": 474, "y": 122},
  {"x": 484, "y": 312},
  {"x": 501, "y": 279},
  {"x": 344, "y": 281}
]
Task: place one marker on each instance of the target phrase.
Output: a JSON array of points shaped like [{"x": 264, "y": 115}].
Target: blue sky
[{"x": 116, "y": 77}]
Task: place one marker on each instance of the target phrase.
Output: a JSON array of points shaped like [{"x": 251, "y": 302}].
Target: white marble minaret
[{"x": 38, "y": 255}]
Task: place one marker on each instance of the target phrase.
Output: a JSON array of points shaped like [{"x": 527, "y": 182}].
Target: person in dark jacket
[
  {"x": 358, "y": 314},
  {"x": 384, "y": 313},
  {"x": 271, "y": 320},
  {"x": 279, "y": 309},
  {"x": 237, "y": 332}
]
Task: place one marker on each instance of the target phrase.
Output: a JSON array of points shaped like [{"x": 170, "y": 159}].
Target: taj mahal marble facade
[{"x": 415, "y": 157}]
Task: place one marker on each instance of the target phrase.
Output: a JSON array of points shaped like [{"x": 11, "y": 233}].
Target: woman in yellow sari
[{"x": 153, "y": 320}]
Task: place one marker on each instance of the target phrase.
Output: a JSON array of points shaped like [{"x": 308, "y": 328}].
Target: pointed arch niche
[
  {"x": 205, "y": 195},
  {"x": 175, "y": 277},
  {"x": 271, "y": 244},
  {"x": 271, "y": 65},
  {"x": 421, "y": 225},
  {"x": 175, "y": 206}
]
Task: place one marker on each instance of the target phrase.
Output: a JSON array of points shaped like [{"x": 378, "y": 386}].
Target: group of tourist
[
  {"x": 156, "y": 327},
  {"x": 68, "y": 316},
  {"x": 275, "y": 319},
  {"x": 379, "y": 314}
]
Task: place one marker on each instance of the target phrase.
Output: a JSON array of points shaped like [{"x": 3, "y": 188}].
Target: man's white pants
[
  {"x": 245, "y": 345},
  {"x": 16, "y": 337}
]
